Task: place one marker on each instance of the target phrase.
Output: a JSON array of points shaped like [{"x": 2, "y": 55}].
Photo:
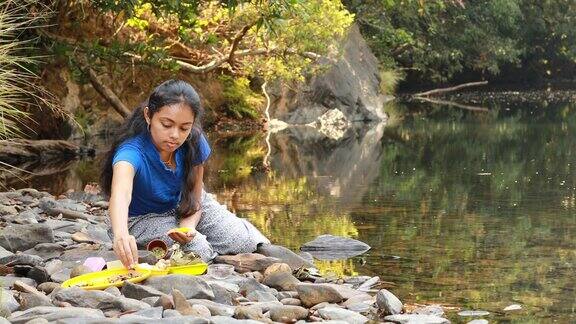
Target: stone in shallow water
[
  {"x": 330, "y": 247},
  {"x": 285, "y": 255},
  {"x": 335, "y": 313},
  {"x": 23, "y": 237},
  {"x": 52, "y": 313},
  {"x": 430, "y": 310},
  {"x": 478, "y": 321},
  {"x": 474, "y": 313},
  {"x": 312, "y": 294},
  {"x": 388, "y": 303},
  {"x": 513, "y": 307},
  {"x": 416, "y": 318}
]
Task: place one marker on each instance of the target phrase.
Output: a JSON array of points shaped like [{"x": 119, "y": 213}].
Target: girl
[{"x": 153, "y": 176}]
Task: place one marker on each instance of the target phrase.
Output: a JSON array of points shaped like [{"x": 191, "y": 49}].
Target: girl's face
[{"x": 170, "y": 126}]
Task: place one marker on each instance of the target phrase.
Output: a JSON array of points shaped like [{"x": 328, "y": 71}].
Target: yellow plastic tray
[
  {"x": 99, "y": 280},
  {"x": 153, "y": 270},
  {"x": 183, "y": 229},
  {"x": 192, "y": 269}
]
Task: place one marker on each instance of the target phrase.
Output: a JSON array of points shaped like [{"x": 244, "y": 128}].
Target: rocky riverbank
[{"x": 44, "y": 241}]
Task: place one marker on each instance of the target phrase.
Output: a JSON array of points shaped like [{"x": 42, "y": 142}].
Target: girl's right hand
[{"x": 126, "y": 250}]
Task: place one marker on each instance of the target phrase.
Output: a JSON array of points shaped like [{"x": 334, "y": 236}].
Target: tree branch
[
  {"x": 107, "y": 93},
  {"x": 444, "y": 90},
  {"x": 236, "y": 42}
]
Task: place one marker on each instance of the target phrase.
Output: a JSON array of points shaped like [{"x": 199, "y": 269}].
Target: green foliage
[
  {"x": 437, "y": 40},
  {"x": 389, "y": 80},
  {"x": 240, "y": 100},
  {"x": 275, "y": 39},
  {"x": 18, "y": 89}
]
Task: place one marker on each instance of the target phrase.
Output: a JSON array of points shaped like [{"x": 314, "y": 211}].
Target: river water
[{"x": 467, "y": 208}]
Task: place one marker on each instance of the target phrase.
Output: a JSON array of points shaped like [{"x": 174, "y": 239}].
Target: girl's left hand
[{"x": 181, "y": 237}]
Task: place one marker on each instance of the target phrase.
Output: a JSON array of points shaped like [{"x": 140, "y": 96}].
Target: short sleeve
[
  {"x": 203, "y": 150},
  {"x": 130, "y": 154}
]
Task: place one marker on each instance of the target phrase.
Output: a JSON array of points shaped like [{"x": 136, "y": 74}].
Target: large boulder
[{"x": 351, "y": 85}]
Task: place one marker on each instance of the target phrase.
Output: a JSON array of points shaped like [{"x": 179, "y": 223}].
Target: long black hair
[{"x": 168, "y": 93}]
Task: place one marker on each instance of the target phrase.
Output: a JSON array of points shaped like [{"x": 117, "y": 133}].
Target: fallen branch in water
[
  {"x": 454, "y": 104},
  {"x": 450, "y": 89}
]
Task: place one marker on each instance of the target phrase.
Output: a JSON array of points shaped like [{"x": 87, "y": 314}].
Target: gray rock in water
[
  {"x": 23, "y": 237},
  {"x": 478, "y": 321},
  {"x": 416, "y": 318},
  {"x": 473, "y": 313},
  {"x": 287, "y": 314},
  {"x": 189, "y": 286},
  {"x": 281, "y": 281},
  {"x": 330, "y": 247},
  {"x": 430, "y": 310},
  {"x": 98, "y": 299},
  {"x": 388, "y": 303},
  {"x": 312, "y": 294},
  {"x": 139, "y": 292},
  {"x": 335, "y": 313},
  {"x": 285, "y": 255},
  {"x": 52, "y": 313},
  {"x": 261, "y": 296}
]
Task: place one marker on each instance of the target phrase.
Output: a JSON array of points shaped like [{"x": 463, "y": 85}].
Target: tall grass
[
  {"x": 19, "y": 88},
  {"x": 389, "y": 80}
]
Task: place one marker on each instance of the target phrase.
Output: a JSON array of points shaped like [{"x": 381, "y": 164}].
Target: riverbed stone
[
  {"x": 79, "y": 270},
  {"x": 31, "y": 300},
  {"x": 97, "y": 299},
  {"x": 330, "y": 247},
  {"x": 165, "y": 301},
  {"x": 216, "y": 309},
  {"x": 23, "y": 218},
  {"x": 23, "y": 237},
  {"x": 335, "y": 313},
  {"x": 21, "y": 259},
  {"x": 139, "y": 292},
  {"x": 284, "y": 254},
  {"x": 151, "y": 313},
  {"x": 261, "y": 296},
  {"x": 281, "y": 280},
  {"x": 182, "y": 305},
  {"x": 286, "y": 313},
  {"x": 53, "y": 313},
  {"x": 189, "y": 286},
  {"x": 277, "y": 267},
  {"x": 388, "y": 303},
  {"x": 48, "y": 287},
  {"x": 8, "y": 281},
  {"x": 478, "y": 321},
  {"x": 4, "y": 252},
  {"x": 312, "y": 294},
  {"x": 249, "y": 312},
  {"x": 291, "y": 301},
  {"x": 416, "y": 318},
  {"x": 247, "y": 262},
  {"x": 46, "y": 251},
  {"x": 61, "y": 275},
  {"x": 7, "y": 299},
  {"x": 224, "y": 293},
  {"x": 169, "y": 313},
  {"x": 151, "y": 301}
]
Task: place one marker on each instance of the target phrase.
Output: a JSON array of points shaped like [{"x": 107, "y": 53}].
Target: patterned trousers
[{"x": 218, "y": 232}]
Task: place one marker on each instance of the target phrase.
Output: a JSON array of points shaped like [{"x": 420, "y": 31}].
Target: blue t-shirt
[{"x": 156, "y": 187}]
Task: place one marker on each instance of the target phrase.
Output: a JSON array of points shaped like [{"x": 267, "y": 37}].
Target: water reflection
[{"x": 475, "y": 209}]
